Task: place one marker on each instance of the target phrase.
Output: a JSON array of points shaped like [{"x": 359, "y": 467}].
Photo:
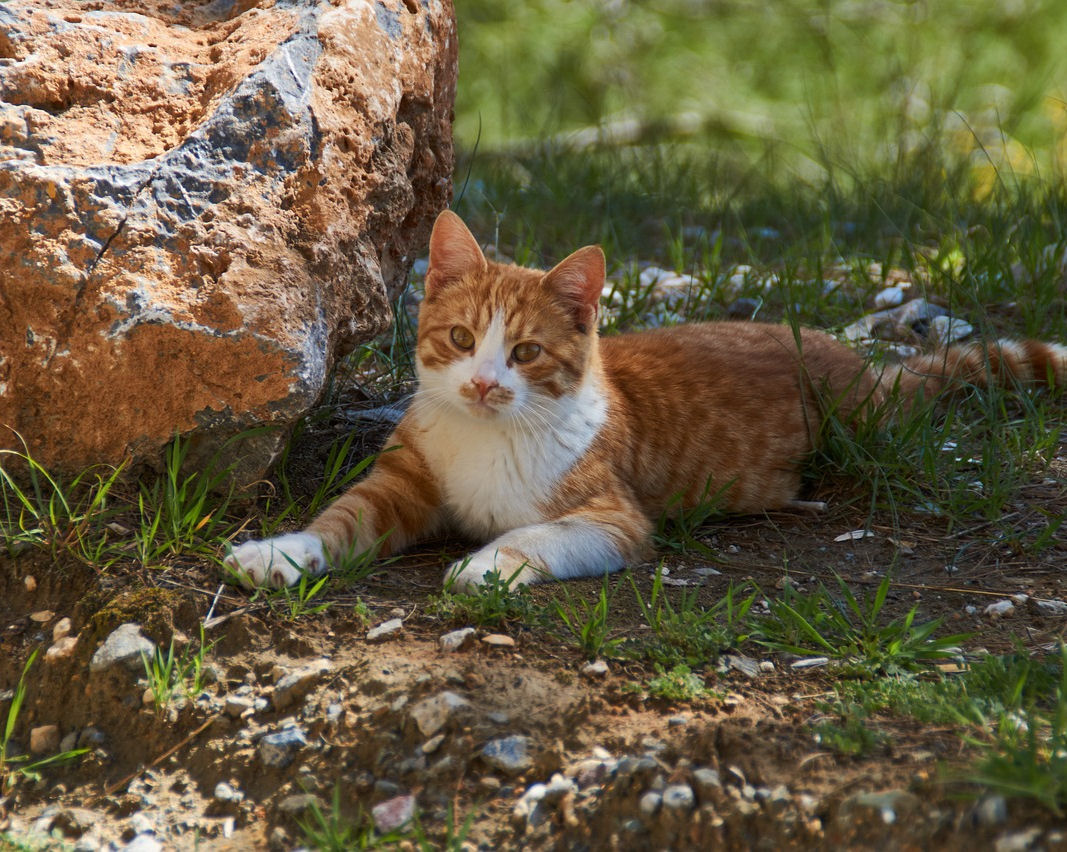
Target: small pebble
[
  {"x": 226, "y": 793},
  {"x": 394, "y": 813},
  {"x": 679, "y": 797},
  {"x": 649, "y": 804},
  {"x": 1000, "y": 608},
  {"x": 63, "y": 649},
  {"x": 431, "y": 745},
  {"x": 385, "y": 630},
  {"x": 62, "y": 628},
  {"x": 457, "y": 640},
  {"x": 498, "y": 640},
  {"x": 44, "y": 739}
]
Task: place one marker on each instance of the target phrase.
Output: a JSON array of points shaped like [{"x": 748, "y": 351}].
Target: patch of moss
[{"x": 152, "y": 608}]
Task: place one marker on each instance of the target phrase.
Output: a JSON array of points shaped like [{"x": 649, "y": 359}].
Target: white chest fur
[{"x": 497, "y": 474}]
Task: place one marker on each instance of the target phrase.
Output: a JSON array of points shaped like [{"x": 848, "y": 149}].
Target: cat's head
[{"x": 497, "y": 340}]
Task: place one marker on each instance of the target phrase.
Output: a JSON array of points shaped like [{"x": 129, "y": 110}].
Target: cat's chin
[{"x": 484, "y": 410}]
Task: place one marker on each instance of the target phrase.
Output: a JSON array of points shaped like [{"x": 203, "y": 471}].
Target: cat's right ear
[{"x": 454, "y": 253}]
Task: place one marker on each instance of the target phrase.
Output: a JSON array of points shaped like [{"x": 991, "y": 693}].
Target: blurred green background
[
  {"x": 794, "y": 137},
  {"x": 854, "y": 84}
]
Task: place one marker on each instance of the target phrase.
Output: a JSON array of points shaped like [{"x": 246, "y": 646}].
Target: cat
[{"x": 560, "y": 448}]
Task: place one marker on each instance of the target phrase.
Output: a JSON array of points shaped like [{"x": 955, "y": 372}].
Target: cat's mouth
[{"x": 483, "y": 408}]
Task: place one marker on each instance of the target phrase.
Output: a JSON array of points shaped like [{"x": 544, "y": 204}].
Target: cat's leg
[
  {"x": 598, "y": 538},
  {"x": 399, "y": 500}
]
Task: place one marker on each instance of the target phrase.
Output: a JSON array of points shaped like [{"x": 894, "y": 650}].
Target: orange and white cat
[{"x": 559, "y": 449}]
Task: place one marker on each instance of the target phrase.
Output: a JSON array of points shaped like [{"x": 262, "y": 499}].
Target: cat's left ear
[
  {"x": 579, "y": 280},
  {"x": 454, "y": 253}
]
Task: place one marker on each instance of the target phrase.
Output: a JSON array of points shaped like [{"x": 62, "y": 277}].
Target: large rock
[{"x": 203, "y": 206}]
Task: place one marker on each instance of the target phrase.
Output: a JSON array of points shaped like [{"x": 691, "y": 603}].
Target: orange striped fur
[{"x": 562, "y": 461}]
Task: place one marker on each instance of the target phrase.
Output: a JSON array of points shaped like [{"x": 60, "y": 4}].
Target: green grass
[
  {"x": 332, "y": 831},
  {"x": 852, "y": 631},
  {"x": 40, "y": 511},
  {"x": 169, "y": 674},
  {"x": 493, "y": 604},
  {"x": 679, "y": 685},
  {"x": 849, "y": 734},
  {"x": 689, "y": 632},
  {"x": 1027, "y": 757},
  {"x": 832, "y": 87},
  {"x": 588, "y": 623}
]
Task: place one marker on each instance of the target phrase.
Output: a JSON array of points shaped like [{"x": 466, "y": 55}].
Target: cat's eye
[
  {"x": 462, "y": 337},
  {"x": 525, "y": 352}
]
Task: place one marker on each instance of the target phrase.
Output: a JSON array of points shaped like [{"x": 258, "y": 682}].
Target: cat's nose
[{"x": 484, "y": 386}]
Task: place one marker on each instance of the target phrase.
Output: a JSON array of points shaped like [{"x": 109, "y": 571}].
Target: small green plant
[
  {"x": 332, "y": 832},
  {"x": 986, "y": 690},
  {"x": 1027, "y": 757},
  {"x": 168, "y": 674},
  {"x": 492, "y": 603},
  {"x": 300, "y": 600},
  {"x": 689, "y": 632},
  {"x": 16, "y": 767},
  {"x": 587, "y": 623},
  {"x": 45, "y": 513},
  {"x": 678, "y": 685},
  {"x": 181, "y": 511},
  {"x": 847, "y": 630},
  {"x": 362, "y": 612},
  {"x": 849, "y": 734}
]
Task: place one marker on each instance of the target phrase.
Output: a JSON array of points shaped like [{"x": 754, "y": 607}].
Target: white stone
[{"x": 385, "y": 630}]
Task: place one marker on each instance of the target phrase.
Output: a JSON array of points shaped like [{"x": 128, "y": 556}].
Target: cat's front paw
[
  {"x": 469, "y": 574},
  {"x": 277, "y": 562}
]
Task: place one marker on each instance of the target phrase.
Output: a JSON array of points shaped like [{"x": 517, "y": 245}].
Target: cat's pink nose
[{"x": 484, "y": 386}]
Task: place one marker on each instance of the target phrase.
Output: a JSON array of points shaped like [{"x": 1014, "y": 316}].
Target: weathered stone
[
  {"x": 236, "y": 706},
  {"x": 649, "y": 804},
  {"x": 991, "y": 810},
  {"x": 510, "y": 755},
  {"x": 44, "y": 739},
  {"x": 62, "y": 649},
  {"x": 679, "y": 797},
  {"x": 393, "y": 813},
  {"x": 279, "y": 749},
  {"x": 433, "y": 713},
  {"x": 385, "y": 630},
  {"x": 125, "y": 646},
  {"x": 228, "y": 195},
  {"x": 456, "y": 640},
  {"x": 225, "y": 792},
  {"x": 296, "y": 684},
  {"x": 61, "y": 629},
  {"x": 708, "y": 784},
  {"x": 143, "y": 843},
  {"x": 300, "y": 802}
]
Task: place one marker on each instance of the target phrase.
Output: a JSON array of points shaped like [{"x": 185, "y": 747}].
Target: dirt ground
[{"x": 625, "y": 761}]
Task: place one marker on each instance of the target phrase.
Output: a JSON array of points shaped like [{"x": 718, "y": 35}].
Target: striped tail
[{"x": 1003, "y": 363}]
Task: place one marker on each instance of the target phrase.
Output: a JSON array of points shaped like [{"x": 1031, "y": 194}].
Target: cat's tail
[{"x": 1001, "y": 363}]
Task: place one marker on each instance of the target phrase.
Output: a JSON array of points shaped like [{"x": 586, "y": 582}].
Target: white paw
[
  {"x": 469, "y": 574},
  {"x": 277, "y": 562}
]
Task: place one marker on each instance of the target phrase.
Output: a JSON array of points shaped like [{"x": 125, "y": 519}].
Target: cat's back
[
  {"x": 736, "y": 356},
  {"x": 731, "y": 400}
]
